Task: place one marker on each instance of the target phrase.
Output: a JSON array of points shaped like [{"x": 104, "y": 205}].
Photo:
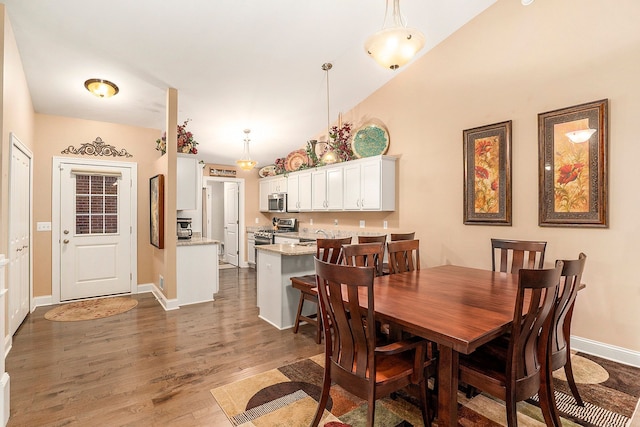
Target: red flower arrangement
[{"x": 186, "y": 142}]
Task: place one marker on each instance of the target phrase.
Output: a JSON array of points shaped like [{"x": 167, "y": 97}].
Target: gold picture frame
[
  {"x": 572, "y": 174},
  {"x": 156, "y": 211},
  {"x": 487, "y": 174}
]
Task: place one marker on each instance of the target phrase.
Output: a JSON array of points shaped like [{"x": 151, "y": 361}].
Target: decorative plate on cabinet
[
  {"x": 370, "y": 140},
  {"x": 295, "y": 159},
  {"x": 267, "y": 171}
]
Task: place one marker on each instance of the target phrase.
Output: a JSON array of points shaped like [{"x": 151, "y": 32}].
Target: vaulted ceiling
[{"x": 236, "y": 63}]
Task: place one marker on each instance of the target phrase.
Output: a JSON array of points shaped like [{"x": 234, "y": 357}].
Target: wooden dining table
[{"x": 459, "y": 308}]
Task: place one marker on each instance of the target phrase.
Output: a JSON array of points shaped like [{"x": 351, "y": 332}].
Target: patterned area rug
[
  {"x": 90, "y": 309},
  {"x": 287, "y": 396}
]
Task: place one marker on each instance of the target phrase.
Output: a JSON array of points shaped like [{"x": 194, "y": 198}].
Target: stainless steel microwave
[{"x": 277, "y": 202}]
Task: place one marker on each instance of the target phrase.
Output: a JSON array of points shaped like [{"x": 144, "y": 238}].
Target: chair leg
[
  {"x": 424, "y": 400},
  {"x": 568, "y": 370},
  {"x": 512, "y": 415},
  {"x": 300, "y": 305},
  {"x": 324, "y": 396},
  {"x": 371, "y": 410}
]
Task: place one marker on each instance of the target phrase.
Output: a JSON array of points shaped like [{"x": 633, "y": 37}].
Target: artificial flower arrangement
[{"x": 186, "y": 143}]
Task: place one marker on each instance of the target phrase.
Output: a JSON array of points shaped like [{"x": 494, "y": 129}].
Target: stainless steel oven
[{"x": 277, "y": 202}]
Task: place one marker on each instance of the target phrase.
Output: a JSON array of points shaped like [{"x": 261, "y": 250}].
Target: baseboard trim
[
  {"x": 145, "y": 287},
  {"x": 41, "y": 301},
  {"x": 5, "y": 391},
  {"x": 606, "y": 351},
  {"x": 167, "y": 304}
]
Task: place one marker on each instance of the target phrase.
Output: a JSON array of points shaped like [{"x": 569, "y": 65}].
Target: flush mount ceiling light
[
  {"x": 526, "y": 2},
  {"x": 395, "y": 44},
  {"x": 245, "y": 163},
  {"x": 578, "y": 136},
  {"x": 101, "y": 88}
]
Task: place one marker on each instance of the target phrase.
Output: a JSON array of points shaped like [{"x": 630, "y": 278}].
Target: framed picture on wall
[
  {"x": 487, "y": 174},
  {"x": 156, "y": 211},
  {"x": 572, "y": 166}
]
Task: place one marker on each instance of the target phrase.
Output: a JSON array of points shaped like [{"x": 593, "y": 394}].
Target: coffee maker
[{"x": 184, "y": 228}]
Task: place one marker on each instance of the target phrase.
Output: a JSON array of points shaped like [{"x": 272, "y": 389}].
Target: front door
[
  {"x": 95, "y": 230},
  {"x": 231, "y": 222}
]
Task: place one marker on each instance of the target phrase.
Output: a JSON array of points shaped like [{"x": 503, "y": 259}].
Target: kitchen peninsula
[
  {"x": 276, "y": 264},
  {"x": 196, "y": 269}
]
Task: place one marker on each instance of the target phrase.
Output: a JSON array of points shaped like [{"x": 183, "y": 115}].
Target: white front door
[
  {"x": 19, "y": 234},
  {"x": 231, "y": 222},
  {"x": 95, "y": 230}
]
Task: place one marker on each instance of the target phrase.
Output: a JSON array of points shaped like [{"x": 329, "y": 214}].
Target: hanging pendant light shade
[
  {"x": 395, "y": 44},
  {"x": 245, "y": 163}
]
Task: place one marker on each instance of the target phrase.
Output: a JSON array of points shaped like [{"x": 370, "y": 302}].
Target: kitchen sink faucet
[{"x": 326, "y": 235}]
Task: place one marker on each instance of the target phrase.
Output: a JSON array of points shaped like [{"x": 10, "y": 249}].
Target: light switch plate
[
  {"x": 43, "y": 226},
  {"x": 362, "y": 223},
  {"x": 384, "y": 224}
]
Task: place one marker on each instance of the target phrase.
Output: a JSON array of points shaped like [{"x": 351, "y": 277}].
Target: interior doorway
[{"x": 223, "y": 218}]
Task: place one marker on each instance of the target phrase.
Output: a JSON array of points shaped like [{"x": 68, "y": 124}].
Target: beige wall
[
  {"x": 511, "y": 63},
  {"x": 54, "y": 134}
]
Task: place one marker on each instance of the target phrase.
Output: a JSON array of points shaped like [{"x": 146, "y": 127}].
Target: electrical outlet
[
  {"x": 362, "y": 223},
  {"x": 335, "y": 222},
  {"x": 384, "y": 224},
  {"x": 43, "y": 226},
  {"x": 257, "y": 220},
  {"x": 161, "y": 283},
  {"x": 310, "y": 221}
]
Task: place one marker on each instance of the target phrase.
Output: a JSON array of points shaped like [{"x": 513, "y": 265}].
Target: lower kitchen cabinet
[{"x": 196, "y": 272}]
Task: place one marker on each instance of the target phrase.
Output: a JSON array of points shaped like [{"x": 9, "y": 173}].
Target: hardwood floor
[{"x": 146, "y": 367}]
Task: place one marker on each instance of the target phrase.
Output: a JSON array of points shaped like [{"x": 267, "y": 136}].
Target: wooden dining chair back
[
  {"x": 329, "y": 250},
  {"x": 402, "y": 236},
  {"x": 365, "y": 255},
  {"x": 517, "y": 254},
  {"x": 352, "y": 358},
  {"x": 404, "y": 255},
  {"x": 509, "y": 367},
  {"x": 373, "y": 239},
  {"x": 570, "y": 281}
]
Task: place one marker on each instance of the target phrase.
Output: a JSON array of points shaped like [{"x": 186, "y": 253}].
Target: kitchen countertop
[
  {"x": 194, "y": 241},
  {"x": 289, "y": 249}
]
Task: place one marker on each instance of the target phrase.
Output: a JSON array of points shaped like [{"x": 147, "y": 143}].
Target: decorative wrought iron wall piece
[{"x": 97, "y": 148}]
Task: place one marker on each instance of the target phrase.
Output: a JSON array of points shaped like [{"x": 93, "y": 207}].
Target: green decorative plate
[{"x": 370, "y": 140}]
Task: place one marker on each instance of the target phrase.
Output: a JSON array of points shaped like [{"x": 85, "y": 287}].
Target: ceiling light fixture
[
  {"x": 245, "y": 163},
  {"x": 101, "y": 88},
  {"x": 578, "y": 136},
  {"x": 329, "y": 156},
  {"x": 395, "y": 44},
  {"x": 526, "y": 2}
]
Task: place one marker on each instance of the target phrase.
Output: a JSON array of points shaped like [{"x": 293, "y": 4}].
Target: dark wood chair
[
  {"x": 509, "y": 367},
  {"x": 570, "y": 282},
  {"x": 404, "y": 255},
  {"x": 329, "y": 250},
  {"x": 517, "y": 254},
  {"x": 402, "y": 236},
  {"x": 365, "y": 255},
  {"x": 352, "y": 359},
  {"x": 372, "y": 239}
]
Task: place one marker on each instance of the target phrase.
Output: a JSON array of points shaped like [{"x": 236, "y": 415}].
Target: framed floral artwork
[
  {"x": 573, "y": 166},
  {"x": 487, "y": 174},
  {"x": 156, "y": 211}
]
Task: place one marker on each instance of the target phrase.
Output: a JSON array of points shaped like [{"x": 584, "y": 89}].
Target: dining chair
[
  {"x": 365, "y": 255},
  {"x": 402, "y": 236},
  {"x": 570, "y": 282},
  {"x": 509, "y": 367},
  {"x": 372, "y": 239},
  {"x": 329, "y": 250},
  {"x": 517, "y": 254},
  {"x": 352, "y": 358},
  {"x": 404, "y": 255}
]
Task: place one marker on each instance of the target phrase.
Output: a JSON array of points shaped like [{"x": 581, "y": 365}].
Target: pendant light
[
  {"x": 395, "y": 44},
  {"x": 245, "y": 163},
  {"x": 329, "y": 156}
]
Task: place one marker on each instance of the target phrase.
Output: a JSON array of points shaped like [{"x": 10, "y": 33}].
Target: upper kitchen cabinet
[
  {"x": 299, "y": 192},
  {"x": 370, "y": 184},
  {"x": 326, "y": 188},
  {"x": 188, "y": 174}
]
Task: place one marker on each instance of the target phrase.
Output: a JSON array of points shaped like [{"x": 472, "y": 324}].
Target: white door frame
[
  {"x": 242, "y": 247},
  {"x": 17, "y": 144},
  {"x": 55, "y": 218}
]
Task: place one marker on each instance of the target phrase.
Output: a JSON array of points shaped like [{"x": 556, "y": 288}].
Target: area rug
[
  {"x": 287, "y": 396},
  {"x": 90, "y": 309}
]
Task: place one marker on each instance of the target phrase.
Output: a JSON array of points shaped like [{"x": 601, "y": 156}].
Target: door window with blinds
[{"x": 96, "y": 203}]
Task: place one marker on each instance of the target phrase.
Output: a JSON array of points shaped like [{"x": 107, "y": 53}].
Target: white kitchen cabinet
[
  {"x": 196, "y": 272},
  {"x": 187, "y": 173},
  {"x": 251, "y": 249},
  {"x": 283, "y": 239},
  {"x": 276, "y": 184},
  {"x": 299, "y": 192},
  {"x": 327, "y": 189},
  {"x": 370, "y": 184},
  {"x": 264, "y": 195}
]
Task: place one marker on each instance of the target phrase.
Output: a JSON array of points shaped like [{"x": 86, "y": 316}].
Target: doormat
[
  {"x": 90, "y": 309},
  {"x": 287, "y": 396}
]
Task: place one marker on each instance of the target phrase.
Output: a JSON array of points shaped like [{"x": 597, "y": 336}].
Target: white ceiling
[{"x": 236, "y": 63}]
